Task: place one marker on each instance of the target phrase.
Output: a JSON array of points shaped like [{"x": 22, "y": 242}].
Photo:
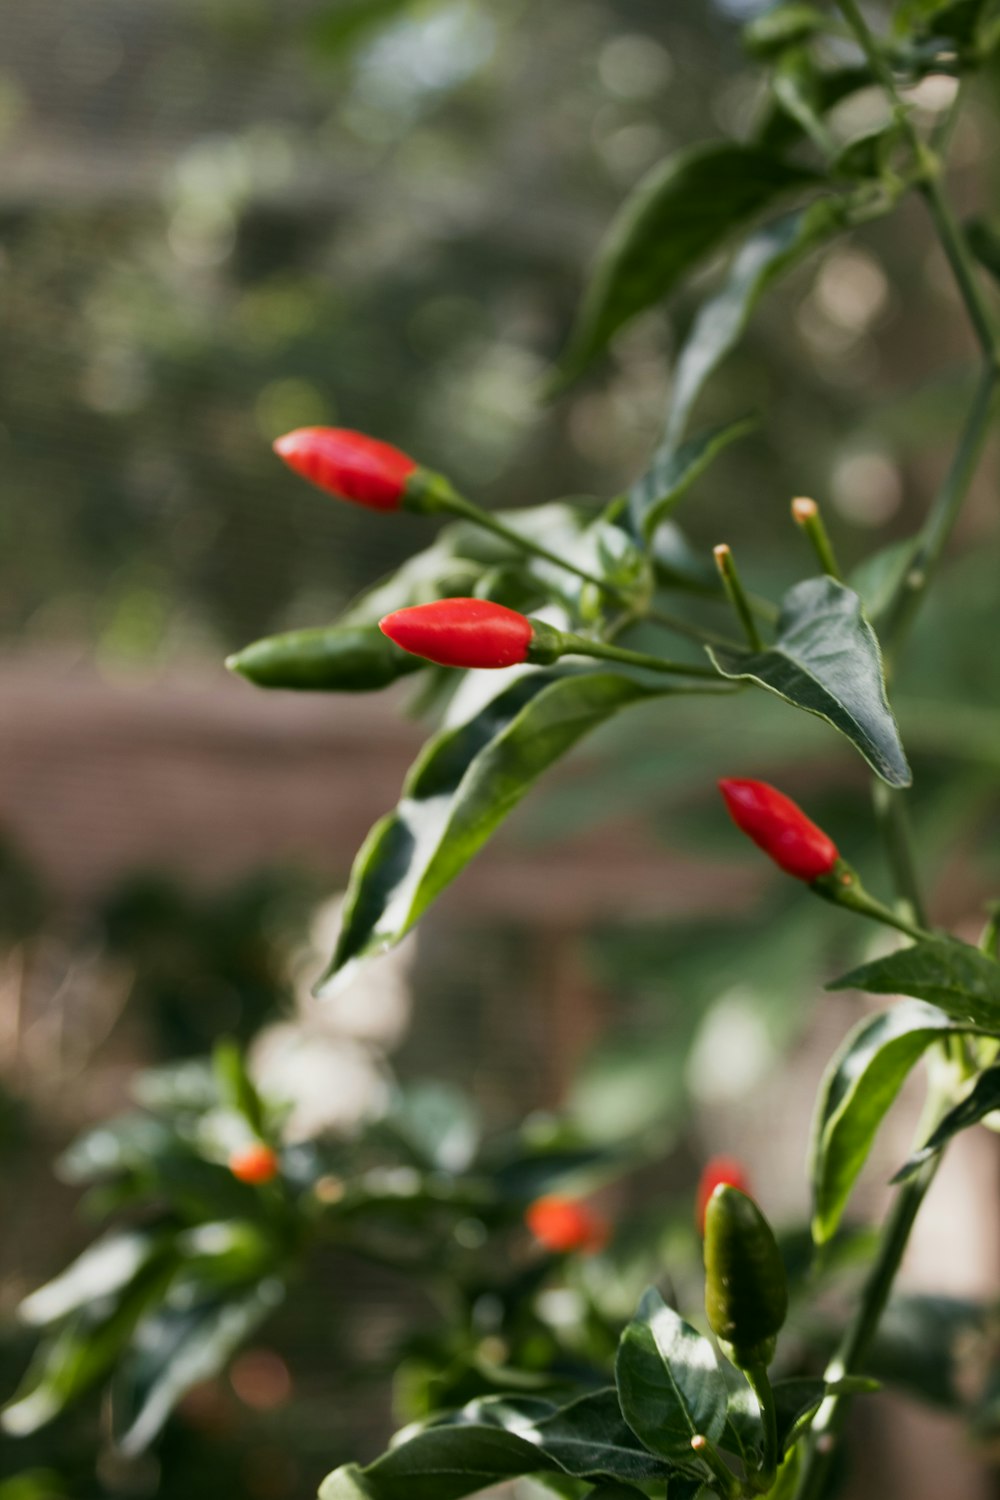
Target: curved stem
[
  {"x": 760, "y": 1384},
  {"x": 829, "y": 1421},
  {"x": 579, "y": 645}
]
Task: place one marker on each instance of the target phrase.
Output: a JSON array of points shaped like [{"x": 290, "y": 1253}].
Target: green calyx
[{"x": 746, "y": 1290}]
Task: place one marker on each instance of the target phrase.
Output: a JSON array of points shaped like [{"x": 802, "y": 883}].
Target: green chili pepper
[
  {"x": 338, "y": 659},
  {"x": 746, "y": 1292}
]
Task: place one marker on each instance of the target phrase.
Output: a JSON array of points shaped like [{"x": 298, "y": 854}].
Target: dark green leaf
[
  {"x": 680, "y": 213},
  {"x": 103, "y": 1269},
  {"x": 440, "y": 1463},
  {"x": 84, "y": 1349},
  {"x": 669, "y": 1382},
  {"x": 459, "y": 790},
  {"x": 722, "y": 321},
  {"x": 982, "y": 1101},
  {"x": 335, "y": 659},
  {"x": 783, "y": 26},
  {"x": 587, "y": 1438},
  {"x": 954, "y": 21},
  {"x": 861, "y": 1083},
  {"x": 867, "y": 155},
  {"x": 827, "y": 661},
  {"x": 174, "y": 1349},
  {"x": 680, "y": 565},
  {"x": 778, "y": 131},
  {"x": 984, "y": 242},
  {"x": 949, "y": 974},
  {"x": 236, "y": 1091},
  {"x": 794, "y": 1400},
  {"x": 923, "y": 1345},
  {"x": 673, "y": 471}
]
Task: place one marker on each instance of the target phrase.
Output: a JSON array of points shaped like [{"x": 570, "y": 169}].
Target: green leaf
[
  {"x": 587, "y": 1438},
  {"x": 779, "y": 131},
  {"x": 951, "y": 975},
  {"x": 236, "y": 1090},
  {"x": 440, "y": 1463},
  {"x": 984, "y": 242},
  {"x": 681, "y": 212},
  {"x": 673, "y": 472},
  {"x": 335, "y": 659},
  {"x": 982, "y": 1101},
  {"x": 460, "y": 789},
  {"x": 766, "y": 256},
  {"x": 103, "y": 1269},
  {"x": 783, "y": 26},
  {"x": 669, "y": 1382},
  {"x": 826, "y": 660},
  {"x": 84, "y": 1349},
  {"x": 954, "y": 21},
  {"x": 176, "y": 1348},
  {"x": 861, "y": 1083}
]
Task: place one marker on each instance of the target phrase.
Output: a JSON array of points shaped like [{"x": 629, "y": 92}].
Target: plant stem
[
  {"x": 930, "y": 541},
  {"x": 893, "y": 820},
  {"x": 579, "y": 645},
  {"x": 829, "y": 1421},
  {"x": 760, "y": 1384},
  {"x": 737, "y": 595},
  {"x": 709, "y": 1454}
]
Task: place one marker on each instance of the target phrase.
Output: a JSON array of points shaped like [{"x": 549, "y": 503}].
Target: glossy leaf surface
[
  {"x": 861, "y": 1083},
  {"x": 982, "y": 1101},
  {"x": 460, "y": 789},
  {"x": 669, "y": 1382},
  {"x": 956, "y": 978},
  {"x": 682, "y": 210},
  {"x": 826, "y": 660},
  {"x": 673, "y": 472}
]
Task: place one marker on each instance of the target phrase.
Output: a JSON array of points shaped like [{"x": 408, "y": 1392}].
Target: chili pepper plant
[{"x": 533, "y": 628}]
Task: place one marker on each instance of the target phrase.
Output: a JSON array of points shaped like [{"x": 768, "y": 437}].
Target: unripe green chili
[
  {"x": 746, "y": 1292},
  {"x": 338, "y": 659}
]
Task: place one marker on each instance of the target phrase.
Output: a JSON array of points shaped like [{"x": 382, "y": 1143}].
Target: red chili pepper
[
  {"x": 718, "y": 1170},
  {"x": 779, "y": 827},
  {"x": 462, "y": 633},
  {"x": 254, "y": 1164},
  {"x": 348, "y": 464},
  {"x": 565, "y": 1224}
]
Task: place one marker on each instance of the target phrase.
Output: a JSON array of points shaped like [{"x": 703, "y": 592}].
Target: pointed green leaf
[
  {"x": 681, "y": 212},
  {"x": 783, "y": 26},
  {"x": 764, "y": 258},
  {"x": 673, "y": 472},
  {"x": 827, "y": 661},
  {"x": 440, "y": 1463},
  {"x": 104, "y": 1269},
  {"x": 176, "y": 1348},
  {"x": 84, "y": 1349},
  {"x": 953, "y": 976},
  {"x": 460, "y": 789},
  {"x": 861, "y": 1083},
  {"x": 669, "y": 1382},
  {"x": 779, "y": 131},
  {"x": 982, "y": 1101},
  {"x": 587, "y": 1438}
]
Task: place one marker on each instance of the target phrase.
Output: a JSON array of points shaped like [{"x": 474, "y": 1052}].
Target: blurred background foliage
[{"x": 220, "y": 219}]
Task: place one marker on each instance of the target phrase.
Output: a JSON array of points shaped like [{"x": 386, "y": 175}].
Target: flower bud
[
  {"x": 462, "y": 633},
  {"x": 348, "y": 465},
  {"x": 565, "y": 1224},
  {"x": 718, "y": 1170},
  {"x": 255, "y": 1164},
  {"x": 779, "y": 827}
]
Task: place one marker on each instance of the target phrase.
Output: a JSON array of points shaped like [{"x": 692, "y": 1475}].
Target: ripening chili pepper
[
  {"x": 254, "y": 1164},
  {"x": 349, "y": 465},
  {"x": 337, "y": 659},
  {"x": 746, "y": 1291},
  {"x": 779, "y": 827},
  {"x": 717, "y": 1170},
  {"x": 565, "y": 1224},
  {"x": 462, "y": 633}
]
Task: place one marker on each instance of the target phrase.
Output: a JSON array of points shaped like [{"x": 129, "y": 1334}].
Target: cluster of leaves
[{"x": 195, "y": 1260}]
